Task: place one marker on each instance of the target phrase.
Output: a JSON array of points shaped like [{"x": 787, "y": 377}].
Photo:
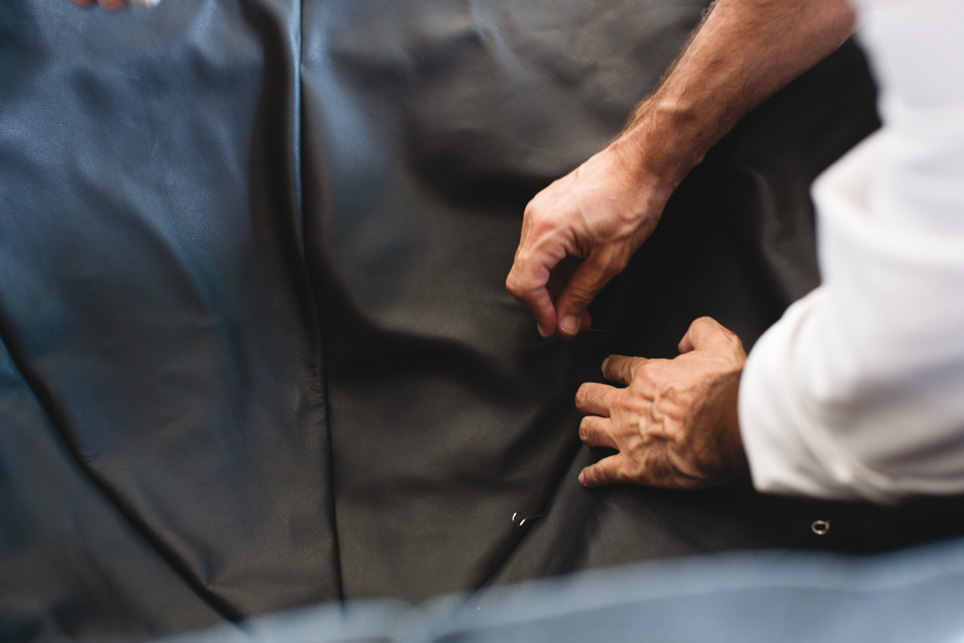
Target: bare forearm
[
  {"x": 602, "y": 211},
  {"x": 744, "y": 51}
]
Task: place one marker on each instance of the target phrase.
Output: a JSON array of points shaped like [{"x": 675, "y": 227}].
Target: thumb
[
  {"x": 586, "y": 282},
  {"x": 703, "y": 333}
]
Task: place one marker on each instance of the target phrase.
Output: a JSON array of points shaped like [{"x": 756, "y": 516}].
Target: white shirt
[{"x": 858, "y": 391}]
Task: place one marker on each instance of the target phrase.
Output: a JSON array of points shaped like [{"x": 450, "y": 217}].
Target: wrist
[
  {"x": 660, "y": 145},
  {"x": 732, "y": 453}
]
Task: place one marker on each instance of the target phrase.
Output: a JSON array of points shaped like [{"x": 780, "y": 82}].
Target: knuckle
[
  {"x": 643, "y": 370},
  {"x": 519, "y": 285},
  {"x": 530, "y": 210},
  {"x": 594, "y": 476},
  {"x": 585, "y": 432},
  {"x": 582, "y": 394},
  {"x": 535, "y": 212},
  {"x": 704, "y": 321},
  {"x": 512, "y": 284},
  {"x": 542, "y": 228},
  {"x": 732, "y": 337}
]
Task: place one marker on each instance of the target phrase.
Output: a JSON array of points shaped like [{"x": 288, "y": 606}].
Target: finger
[
  {"x": 558, "y": 279},
  {"x": 594, "y": 399},
  {"x": 704, "y": 333},
  {"x": 540, "y": 306},
  {"x": 586, "y": 282},
  {"x": 561, "y": 274},
  {"x": 606, "y": 471},
  {"x": 619, "y": 368},
  {"x": 529, "y": 278},
  {"x": 531, "y": 291},
  {"x": 597, "y": 431},
  {"x": 83, "y": 3},
  {"x": 113, "y": 5}
]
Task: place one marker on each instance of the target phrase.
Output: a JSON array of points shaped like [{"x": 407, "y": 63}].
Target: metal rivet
[
  {"x": 519, "y": 520},
  {"x": 820, "y": 527}
]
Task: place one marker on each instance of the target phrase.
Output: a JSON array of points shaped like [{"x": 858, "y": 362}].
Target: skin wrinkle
[{"x": 669, "y": 422}]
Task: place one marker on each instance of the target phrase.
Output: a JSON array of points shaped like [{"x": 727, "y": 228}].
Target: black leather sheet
[
  {"x": 427, "y": 127},
  {"x": 257, "y": 349}
]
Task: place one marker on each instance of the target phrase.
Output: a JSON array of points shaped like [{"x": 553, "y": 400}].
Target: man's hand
[
  {"x": 675, "y": 425},
  {"x": 600, "y": 213}
]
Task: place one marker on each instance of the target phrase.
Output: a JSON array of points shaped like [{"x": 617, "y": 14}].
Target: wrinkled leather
[
  {"x": 257, "y": 347},
  {"x": 155, "y": 304}
]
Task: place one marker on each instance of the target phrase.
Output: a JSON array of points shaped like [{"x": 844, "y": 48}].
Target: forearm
[
  {"x": 744, "y": 51},
  {"x": 603, "y": 210}
]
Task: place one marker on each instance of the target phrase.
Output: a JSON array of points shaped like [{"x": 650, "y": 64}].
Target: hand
[
  {"x": 600, "y": 213},
  {"x": 675, "y": 425}
]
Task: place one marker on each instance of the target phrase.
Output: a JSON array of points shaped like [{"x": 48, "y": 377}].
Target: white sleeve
[{"x": 858, "y": 391}]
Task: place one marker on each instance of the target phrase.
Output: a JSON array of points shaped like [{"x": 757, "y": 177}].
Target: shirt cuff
[{"x": 788, "y": 452}]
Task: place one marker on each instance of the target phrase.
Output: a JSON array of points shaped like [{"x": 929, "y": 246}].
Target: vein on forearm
[{"x": 743, "y": 52}]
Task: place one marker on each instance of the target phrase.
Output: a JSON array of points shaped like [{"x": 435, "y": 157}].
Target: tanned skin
[{"x": 674, "y": 422}]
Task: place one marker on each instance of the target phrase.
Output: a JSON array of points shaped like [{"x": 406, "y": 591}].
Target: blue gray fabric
[{"x": 914, "y": 595}]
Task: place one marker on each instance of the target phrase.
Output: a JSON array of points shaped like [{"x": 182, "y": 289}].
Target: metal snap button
[{"x": 820, "y": 527}]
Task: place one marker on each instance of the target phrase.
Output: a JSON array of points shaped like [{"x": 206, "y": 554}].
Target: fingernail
[
  {"x": 544, "y": 332},
  {"x": 605, "y": 361},
  {"x": 582, "y": 478},
  {"x": 569, "y": 325}
]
